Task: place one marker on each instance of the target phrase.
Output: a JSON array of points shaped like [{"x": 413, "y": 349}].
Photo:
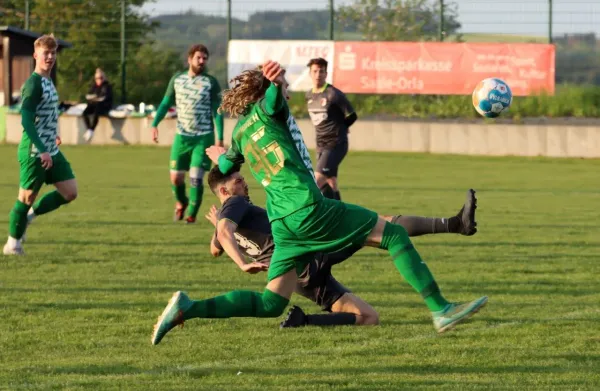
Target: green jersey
[
  {"x": 268, "y": 138},
  {"x": 39, "y": 109},
  {"x": 197, "y": 99}
]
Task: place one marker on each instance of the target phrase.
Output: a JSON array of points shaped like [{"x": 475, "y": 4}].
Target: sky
[{"x": 522, "y": 17}]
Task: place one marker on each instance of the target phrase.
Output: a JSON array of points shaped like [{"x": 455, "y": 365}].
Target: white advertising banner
[{"x": 293, "y": 55}]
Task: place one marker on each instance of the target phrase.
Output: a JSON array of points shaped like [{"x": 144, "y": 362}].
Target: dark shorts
[
  {"x": 329, "y": 159},
  {"x": 316, "y": 282}
]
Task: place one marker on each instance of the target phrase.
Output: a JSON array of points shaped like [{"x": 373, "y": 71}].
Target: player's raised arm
[{"x": 274, "y": 99}]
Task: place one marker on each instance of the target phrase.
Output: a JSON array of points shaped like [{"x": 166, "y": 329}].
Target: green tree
[
  {"x": 149, "y": 72},
  {"x": 398, "y": 20},
  {"x": 94, "y": 29}
]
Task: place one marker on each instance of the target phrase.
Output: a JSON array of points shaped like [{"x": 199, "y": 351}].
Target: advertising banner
[{"x": 441, "y": 68}]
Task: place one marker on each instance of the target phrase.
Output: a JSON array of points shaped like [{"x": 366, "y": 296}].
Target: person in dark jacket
[{"x": 100, "y": 101}]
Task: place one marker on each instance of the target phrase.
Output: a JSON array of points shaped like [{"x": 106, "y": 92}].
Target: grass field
[{"x": 77, "y": 311}]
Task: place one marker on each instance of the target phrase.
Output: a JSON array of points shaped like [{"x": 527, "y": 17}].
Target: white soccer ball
[{"x": 492, "y": 97}]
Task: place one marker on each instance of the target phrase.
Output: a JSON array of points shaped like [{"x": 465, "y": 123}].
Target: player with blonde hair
[{"x": 39, "y": 158}]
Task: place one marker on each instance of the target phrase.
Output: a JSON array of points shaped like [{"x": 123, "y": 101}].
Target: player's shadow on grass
[
  {"x": 372, "y": 369},
  {"x": 122, "y": 223},
  {"x": 513, "y": 288},
  {"x": 89, "y": 242},
  {"x": 90, "y": 223},
  {"x": 198, "y": 289},
  {"x": 521, "y": 244}
]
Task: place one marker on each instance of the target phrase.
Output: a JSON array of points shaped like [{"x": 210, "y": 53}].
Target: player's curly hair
[{"x": 248, "y": 87}]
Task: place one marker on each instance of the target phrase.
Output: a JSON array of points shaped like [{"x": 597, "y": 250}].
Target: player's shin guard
[
  {"x": 417, "y": 226},
  {"x": 196, "y": 191},
  {"x": 49, "y": 202},
  {"x": 411, "y": 266},
  {"x": 18, "y": 220},
  {"x": 239, "y": 304}
]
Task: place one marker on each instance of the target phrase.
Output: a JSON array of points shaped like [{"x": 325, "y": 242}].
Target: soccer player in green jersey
[
  {"x": 39, "y": 158},
  {"x": 303, "y": 221},
  {"x": 197, "y": 96}
]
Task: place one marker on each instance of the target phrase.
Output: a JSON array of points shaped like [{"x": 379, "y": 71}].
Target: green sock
[
  {"x": 196, "y": 190},
  {"x": 49, "y": 202},
  {"x": 17, "y": 222},
  {"x": 179, "y": 193},
  {"x": 239, "y": 304},
  {"x": 411, "y": 266}
]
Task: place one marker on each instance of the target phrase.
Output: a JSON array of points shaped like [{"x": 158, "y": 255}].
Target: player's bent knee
[
  {"x": 27, "y": 198},
  {"x": 196, "y": 175},
  {"x": 367, "y": 319},
  {"x": 70, "y": 196},
  {"x": 370, "y": 319},
  {"x": 177, "y": 178},
  {"x": 272, "y": 305}
]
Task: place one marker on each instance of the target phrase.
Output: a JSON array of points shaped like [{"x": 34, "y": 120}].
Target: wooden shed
[{"x": 16, "y": 60}]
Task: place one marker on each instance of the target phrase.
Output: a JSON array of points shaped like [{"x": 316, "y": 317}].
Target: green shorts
[
  {"x": 327, "y": 226},
  {"x": 33, "y": 175},
  {"x": 190, "y": 151}
]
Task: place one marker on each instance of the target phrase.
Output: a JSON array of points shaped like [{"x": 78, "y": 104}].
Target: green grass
[{"x": 77, "y": 311}]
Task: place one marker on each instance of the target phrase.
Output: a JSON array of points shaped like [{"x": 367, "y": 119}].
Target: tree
[
  {"x": 94, "y": 29},
  {"x": 398, "y": 20},
  {"x": 149, "y": 72}
]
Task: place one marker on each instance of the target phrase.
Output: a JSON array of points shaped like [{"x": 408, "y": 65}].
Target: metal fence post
[
  {"x": 550, "y": 40},
  {"x": 331, "y": 20},
  {"x": 441, "y": 26},
  {"x": 228, "y": 21},
  {"x": 27, "y": 14},
  {"x": 123, "y": 55}
]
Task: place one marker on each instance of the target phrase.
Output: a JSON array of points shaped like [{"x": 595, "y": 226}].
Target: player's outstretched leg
[
  {"x": 48, "y": 203},
  {"x": 446, "y": 315},
  {"x": 463, "y": 223},
  {"x": 349, "y": 309},
  {"x": 235, "y": 304}
]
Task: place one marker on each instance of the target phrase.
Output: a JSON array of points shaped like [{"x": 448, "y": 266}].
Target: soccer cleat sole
[
  {"x": 174, "y": 298},
  {"x": 470, "y": 204},
  {"x": 453, "y": 325}
]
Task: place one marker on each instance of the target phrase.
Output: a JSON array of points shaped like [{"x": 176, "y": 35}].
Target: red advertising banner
[{"x": 441, "y": 68}]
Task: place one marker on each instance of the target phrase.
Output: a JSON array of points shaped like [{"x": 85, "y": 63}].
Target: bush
[{"x": 568, "y": 101}]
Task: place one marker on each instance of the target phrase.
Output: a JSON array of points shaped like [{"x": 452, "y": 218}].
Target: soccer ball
[{"x": 491, "y": 97}]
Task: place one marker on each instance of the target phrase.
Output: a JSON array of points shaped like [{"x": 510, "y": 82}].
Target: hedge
[{"x": 568, "y": 101}]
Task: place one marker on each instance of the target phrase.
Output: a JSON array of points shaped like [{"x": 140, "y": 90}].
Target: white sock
[{"x": 12, "y": 242}]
